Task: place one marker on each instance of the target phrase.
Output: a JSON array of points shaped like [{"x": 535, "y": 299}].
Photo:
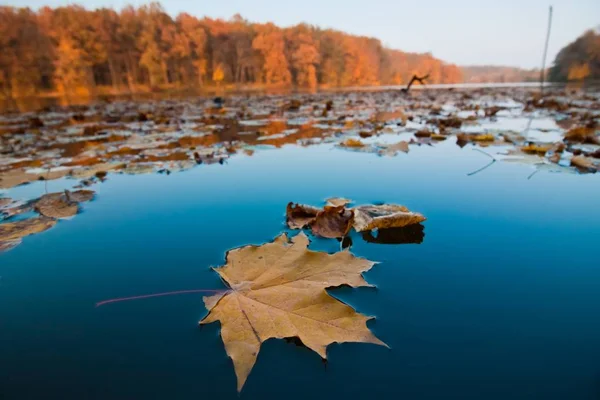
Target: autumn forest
[
  {"x": 74, "y": 51},
  {"x": 71, "y": 49}
]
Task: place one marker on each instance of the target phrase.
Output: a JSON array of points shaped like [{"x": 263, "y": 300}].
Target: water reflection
[{"x": 413, "y": 234}]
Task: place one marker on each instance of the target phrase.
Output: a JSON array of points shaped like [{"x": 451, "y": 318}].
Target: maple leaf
[{"x": 278, "y": 291}]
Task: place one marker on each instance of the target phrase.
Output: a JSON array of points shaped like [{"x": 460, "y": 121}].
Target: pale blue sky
[{"x": 502, "y": 32}]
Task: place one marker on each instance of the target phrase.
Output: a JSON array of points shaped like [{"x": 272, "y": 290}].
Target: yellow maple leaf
[{"x": 278, "y": 291}]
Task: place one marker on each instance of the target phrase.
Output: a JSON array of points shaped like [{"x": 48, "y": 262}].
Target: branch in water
[
  {"x": 421, "y": 80},
  {"x": 487, "y": 154},
  {"x": 485, "y": 167}
]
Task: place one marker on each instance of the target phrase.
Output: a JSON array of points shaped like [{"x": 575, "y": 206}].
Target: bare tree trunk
[{"x": 113, "y": 73}]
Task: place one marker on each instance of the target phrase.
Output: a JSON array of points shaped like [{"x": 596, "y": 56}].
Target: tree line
[
  {"x": 72, "y": 50},
  {"x": 579, "y": 60}
]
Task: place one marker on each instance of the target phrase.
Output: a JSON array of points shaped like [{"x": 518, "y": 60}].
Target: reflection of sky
[{"x": 500, "y": 299}]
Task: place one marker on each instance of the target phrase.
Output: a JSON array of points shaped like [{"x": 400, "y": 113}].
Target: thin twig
[
  {"x": 46, "y": 180},
  {"x": 484, "y": 167},
  {"x": 526, "y": 131},
  {"x": 483, "y": 152},
  {"x": 532, "y": 174},
  {"x": 542, "y": 72},
  {"x": 481, "y": 169}
]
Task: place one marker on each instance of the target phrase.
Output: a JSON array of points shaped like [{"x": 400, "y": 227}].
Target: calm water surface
[{"x": 501, "y": 300}]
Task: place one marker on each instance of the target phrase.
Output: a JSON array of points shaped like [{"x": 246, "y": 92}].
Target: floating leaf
[
  {"x": 486, "y": 137},
  {"x": 332, "y": 222},
  {"x": 582, "y": 134},
  {"x": 513, "y": 138},
  {"x": 338, "y": 201},
  {"x": 278, "y": 291},
  {"x": 385, "y": 116},
  {"x": 80, "y": 196},
  {"x": 13, "y": 208},
  {"x": 384, "y": 216},
  {"x": 533, "y": 148},
  {"x": 423, "y": 134},
  {"x": 5, "y": 201},
  {"x": 88, "y": 172},
  {"x": 492, "y": 111},
  {"x": 15, "y": 178},
  {"x": 10, "y": 231},
  {"x": 350, "y": 142},
  {"x": 585, "y": 164},
  {"x": 9, "y": 245},
  {"x": 56, "y": 205},
  {"x": 336, "y": 221},
  {"x": 393, "y": 149},
  {"x": 438, "y": 137},
  {"x": 300, "y": 215}
]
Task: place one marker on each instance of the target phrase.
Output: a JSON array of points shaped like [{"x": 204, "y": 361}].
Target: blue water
[{"x": 500, "y": 301}]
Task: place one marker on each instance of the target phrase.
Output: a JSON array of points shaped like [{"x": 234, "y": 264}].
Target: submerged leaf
[
  {"x": 278, "y": 291},
  {"x": 384, "y": 216}
]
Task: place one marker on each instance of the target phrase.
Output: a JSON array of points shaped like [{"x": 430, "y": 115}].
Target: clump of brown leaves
[{"x": 336, "y": 219}]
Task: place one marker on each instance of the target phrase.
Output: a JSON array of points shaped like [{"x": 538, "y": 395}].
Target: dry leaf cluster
[
  {"x": 88, "y": 143},
  {"x": 50, "y": 207},
  {"x": 336, "y": 219}
]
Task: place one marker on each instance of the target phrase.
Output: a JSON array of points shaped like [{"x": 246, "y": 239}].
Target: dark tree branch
[{"x": 421, "y": 80}]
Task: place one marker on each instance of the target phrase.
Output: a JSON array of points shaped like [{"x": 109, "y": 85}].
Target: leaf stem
[{"x": 147, "y": 296}]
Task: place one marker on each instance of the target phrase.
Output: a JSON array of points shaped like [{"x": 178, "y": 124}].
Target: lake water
[
  {"x": 500, "y": 300},
  {"x": 34, "y": 103}
]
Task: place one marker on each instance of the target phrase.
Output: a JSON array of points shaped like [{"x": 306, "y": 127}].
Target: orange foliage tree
[{"x": 77, "y": 51}]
